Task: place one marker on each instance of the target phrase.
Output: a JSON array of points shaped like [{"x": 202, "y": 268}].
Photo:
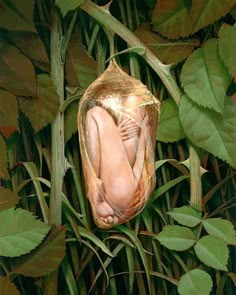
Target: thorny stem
[
  {"x": 195, "y": 177},
  {"x": 57, "y": 134},
  {"x": 108, "y": 21}
]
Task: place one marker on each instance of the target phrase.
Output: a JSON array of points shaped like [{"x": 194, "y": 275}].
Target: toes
[{"x": 110, "y": 219}]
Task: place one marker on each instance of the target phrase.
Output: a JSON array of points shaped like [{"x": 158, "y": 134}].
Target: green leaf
[
  {"x": 17, "y": 72},
  {"x": 7, "y": 287},
  {"x": 169, "y": 127},
  {"x": 139, "y": 247},
  {"x": 3, "y": 159},
  {"x": 195, "y": 282},
  {"x": 8, "y": 110},
  {"x": 209, "y": 130},
  {"x": 186, "y": 215},
  {"x": 17, "y": 15},
  {"x": 204, "y": 77},
  {"x": 177, "y": 18},
  {"x": 175, "y": 237},
  {"x": 212, "y": 251},
  {"x": 42, "y": 110},
  {"x": 31, "y": 45},
  {"x": 19, "y": 227},
  {"x": 44, "y": 259},
  {"x": 207, "y": 12},
  {"x": 227, "y": 47},
  {"x": 8, "y": 198},
  {"x": 220, "y": 228},
  {"x": 89, "y": 235},
  {"x": 164, "y": 188},
  {"x": 66, "y": 6},
  {"x": 167, "y": 51},
  {"x": 171, "y": 19},
  {"x": 81, "y": 70},
  {"x": 71, "y": 120}
]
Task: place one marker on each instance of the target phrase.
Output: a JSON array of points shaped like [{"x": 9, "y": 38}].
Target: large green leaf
[
  {"x": 205, "y": 78},
  {"x": 181, "y": 18},
  {"x": 31, "y": 45},
  {"x": 175, "y": 237},
  {"x": 17, "y": 72},
  {"x": 227, "y": 47},
  {"x": 42, "y": 110},
  {"x": 20, "y": 232},
  {"x": 220, "y": 228},
  {"x": 169, "y": 127},
  {"x": 17, "y": 15},
  {"x": 167, "y": 51},
  {"x": 81, "y": 70},
  {"x": 8, "y": 198},
  {"x": 7, "y": 287},
  {"x": 66, "y": 6},
  {"x": 8, "y": 110},
  {"x": 44, "y": 259},
  {"x": 171, "y": 19},
  {"x": 195, "y": 282},
  {"x": 3, "y": 159},
  {"x": 212, "y": 251},
  {"x": 209, "y": 130},
  {"x": 186, "y": 215}
]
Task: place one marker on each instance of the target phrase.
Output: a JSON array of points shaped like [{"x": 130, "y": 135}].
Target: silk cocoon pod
[{"x": 117, "y": 124}]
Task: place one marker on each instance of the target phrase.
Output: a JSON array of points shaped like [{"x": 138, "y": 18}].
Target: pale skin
[{"x": 116, "y": 151}]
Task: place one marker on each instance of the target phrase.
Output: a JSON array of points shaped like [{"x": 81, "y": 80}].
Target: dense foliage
[{"x": 183, "y": 241}]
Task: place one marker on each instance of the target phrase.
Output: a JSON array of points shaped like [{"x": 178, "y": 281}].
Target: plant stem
[
  {"x": 57, "y": 134},
  {"x": 58, "y": 158},
  {"x": 108, "y": 21},
  {"x": 195, "y": 177}
]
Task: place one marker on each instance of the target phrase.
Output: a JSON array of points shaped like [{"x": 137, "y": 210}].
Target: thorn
[{"x": 107, "y": 6}]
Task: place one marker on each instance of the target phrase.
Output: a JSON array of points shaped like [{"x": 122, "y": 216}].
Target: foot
[{"x": 102, "y": 211}]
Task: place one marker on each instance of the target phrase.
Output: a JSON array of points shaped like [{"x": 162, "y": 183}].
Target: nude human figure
[
  {"x": 116, "y": 152},
  {"x": 117, "y": 135}
]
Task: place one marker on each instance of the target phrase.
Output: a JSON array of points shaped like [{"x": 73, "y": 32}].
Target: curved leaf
[
  {"x": 3, "y": 159},
  {"x": 204, "y": 77},
  {"x": 66, "y": 6},
  {"x": 81, "y": 70},
  {"x": 31, "y": 45},
  {"x": 171, "y": 19},
  {"x": 169, "y": 127},
  {"x": 8, "y": 110},
  {"x": 195, "y": 282},
  {"x": 205, "y": 12},
  {"x": 175, "y": 237},
  {"x": 212, "y": 251},
  {"x": 7, "y": 287},
  {"x": 220, "y": 228},
  {"x": 185, "y": 215},
  {"x": 19, "y": 227},
  {"x": 210, "y": 131},
  {"x": 71, "y": 114},
  {"x": 181, "y": 18},
  {"x": 42, "y": 110},
  {"x": 227, "y": 47},
  {"x": 167, "y": 51},
  {"x": 17, "y": 15},
  {"x": 44, "y": 259},
  {"x": 17, "y": 72},
  {"x": 8, "y": 198}
]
